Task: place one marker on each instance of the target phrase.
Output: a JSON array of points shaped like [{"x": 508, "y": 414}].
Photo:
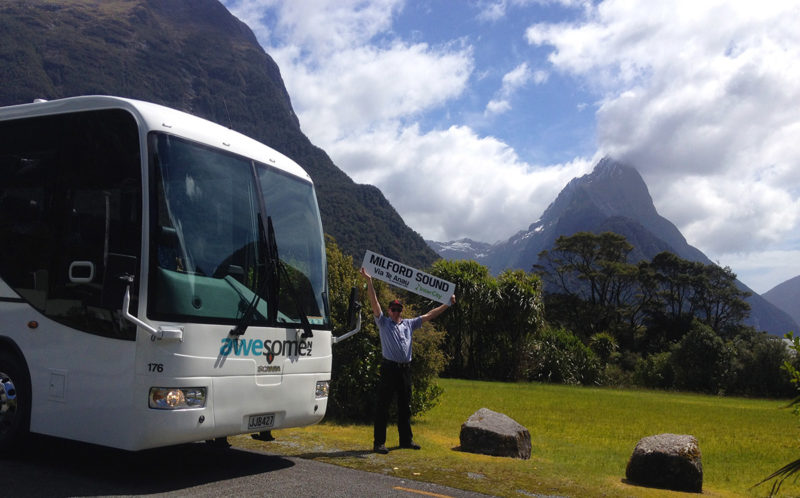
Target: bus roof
[{"x": 155, "y": 117}]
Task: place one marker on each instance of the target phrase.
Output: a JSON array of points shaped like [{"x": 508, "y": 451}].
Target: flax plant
[{"x": 792, "y": 468}]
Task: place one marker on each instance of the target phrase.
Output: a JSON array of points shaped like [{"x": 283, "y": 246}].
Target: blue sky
[
  {"x": 471, "y": 116},
  {"x": 547, "y": 121}
]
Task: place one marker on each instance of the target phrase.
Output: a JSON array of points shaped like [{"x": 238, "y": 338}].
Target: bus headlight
[
  {"x": 177, "y": 398},
  {"x": 323, "y": 386}
]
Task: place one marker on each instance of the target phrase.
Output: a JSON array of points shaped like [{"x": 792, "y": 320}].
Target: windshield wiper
[
  {"x": 280, "y": 266},
  {"x": 247, "y": 316},
  {"x": 276, "y": 269}
]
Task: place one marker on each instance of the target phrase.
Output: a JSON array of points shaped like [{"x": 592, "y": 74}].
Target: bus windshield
[{"x": 209, "y": 255}]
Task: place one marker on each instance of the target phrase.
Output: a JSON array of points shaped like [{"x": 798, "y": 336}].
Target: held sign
[{"x": 410, "y": 279}]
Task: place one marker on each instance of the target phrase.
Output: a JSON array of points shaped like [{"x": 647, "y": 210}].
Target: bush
[
  {"x": 616, "y": 376},
  {"x": 757, "y": 363},
  {"x": 655, "y": 371},
  {"x": 356, "y": 364},
  {"x": 604, "y": 346},
  {"x": 557, "y": 355},
  {"x": 701, "y": 360},
  {"x": 429, "y": 360}
]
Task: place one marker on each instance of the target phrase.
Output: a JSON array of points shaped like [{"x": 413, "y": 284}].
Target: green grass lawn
[{"x": 581, "y": 437}]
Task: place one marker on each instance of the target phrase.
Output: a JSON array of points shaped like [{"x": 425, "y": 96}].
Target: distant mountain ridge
[
  {"x": 460, "y": 249},
  {"x": 786, "y": 296},
  {"x": 615, "y": 198},
  {"x": 193, "y": 55}
]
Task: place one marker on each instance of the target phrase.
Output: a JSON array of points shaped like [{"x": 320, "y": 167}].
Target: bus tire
[{"x": 15, "y": 403}]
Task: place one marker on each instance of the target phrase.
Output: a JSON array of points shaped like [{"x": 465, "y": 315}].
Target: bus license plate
[{"x": 259, "y": 422}]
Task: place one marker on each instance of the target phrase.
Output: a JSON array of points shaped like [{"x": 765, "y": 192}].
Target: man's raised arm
[
  {"x": 373, "y": 298},
  {"x": 438, "y": 311}
]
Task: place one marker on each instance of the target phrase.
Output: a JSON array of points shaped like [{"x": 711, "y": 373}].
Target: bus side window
[
  {"x": 80, "y": 175},
  {"x": 26, "y": 238}
]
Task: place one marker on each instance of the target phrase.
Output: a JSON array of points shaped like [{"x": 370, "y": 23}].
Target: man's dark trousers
[{"x": 395, "y": 379}]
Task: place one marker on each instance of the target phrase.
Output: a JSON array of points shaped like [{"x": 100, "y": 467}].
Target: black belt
[{"x": 396, "y": 364}]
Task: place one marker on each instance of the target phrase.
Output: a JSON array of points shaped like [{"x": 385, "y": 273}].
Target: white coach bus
[{"x": 162, "y": 279}]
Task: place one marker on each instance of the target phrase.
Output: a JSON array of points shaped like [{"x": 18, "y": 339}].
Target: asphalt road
[{"x": 51, "y": 467}]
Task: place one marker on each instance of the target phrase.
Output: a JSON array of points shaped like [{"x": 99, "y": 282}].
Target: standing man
[{"x": 395, "y": 333}]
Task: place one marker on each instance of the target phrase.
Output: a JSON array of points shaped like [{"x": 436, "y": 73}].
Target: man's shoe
[
  {"x": 411, "y": 446},
  {"x": 380, "y": 448}
]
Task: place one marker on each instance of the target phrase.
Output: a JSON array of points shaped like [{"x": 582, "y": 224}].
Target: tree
[
  {"x": 519, "y": 314},
  {"x": 717, "y": 300},
  {"x": 604, "y": 346},
  {"x": 686, "y": 289},
  {"x": 587, "y": 265},
  {"x": 594, "y": 284},
  {"x": 492, "y": 321},
  {"x": 676, "y": 323},
  {"x": 701, "y": 360},
  {"x": 675, "y": 278},
  {"x": 757, "y": 366},
  {"x": 557, "y": 355},
  {"x": 468, "y": 321},
  {"x": 670, "y": 282}
]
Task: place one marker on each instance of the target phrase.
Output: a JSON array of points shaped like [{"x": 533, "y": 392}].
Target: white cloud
[
  {"x": 702, "y": 98},
  {"x": 513, "y": 81},
  {"x": 320, "y": 27},
  {"x": 453, "y": 183},
  {"x": 356, "y": 88},
  {"x": 359, "y": 91},
  {"x": 764, "y": 270},
  {"x": 344, "y": 70},
  {"x": 497, "y": 106},
  {"x": 343, "y": 75},
  {"x": 492, "y": 11}
]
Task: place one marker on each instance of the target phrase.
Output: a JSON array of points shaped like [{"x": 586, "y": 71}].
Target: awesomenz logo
[{"x": 268, "y": 349}]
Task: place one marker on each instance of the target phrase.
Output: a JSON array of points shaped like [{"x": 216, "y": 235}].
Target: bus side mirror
[
  {"x": 353, "y": 308},
  {"x": 117, "y": 265},
  {"x": 353, "y": 317}
]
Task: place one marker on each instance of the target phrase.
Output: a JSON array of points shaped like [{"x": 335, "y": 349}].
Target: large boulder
[
  {"x": 492, "y": 433},
  {"x": 668, "y": 461}
]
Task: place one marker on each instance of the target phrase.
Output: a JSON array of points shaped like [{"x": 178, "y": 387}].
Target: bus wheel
[{"x": 15, "y": 403}]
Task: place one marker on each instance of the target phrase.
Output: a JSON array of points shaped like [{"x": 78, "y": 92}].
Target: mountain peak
[
  {"x": 610, "y": 168},
  {"x": 612, "y": 198},
  {"x": 611, "y": 189}
]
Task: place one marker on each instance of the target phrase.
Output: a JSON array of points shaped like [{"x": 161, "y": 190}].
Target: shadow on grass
[
  {"x": 336, "y": 454},
  {"x": 628, "y": 482},
  {"x": 347, "y": 453}
]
